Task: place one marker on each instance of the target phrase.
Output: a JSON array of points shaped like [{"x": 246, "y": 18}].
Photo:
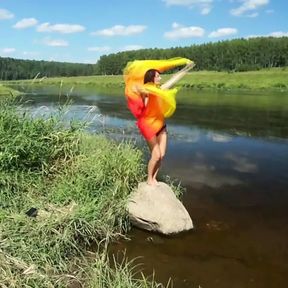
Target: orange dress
[
  {"x": 161, "y": 103},
  {"x": 151, "y": 120}
]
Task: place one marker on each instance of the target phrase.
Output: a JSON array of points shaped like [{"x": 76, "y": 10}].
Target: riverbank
[
  {"x": 61, "y": 191},
  {"x": 265, "y": 79},
  {"x": 5, "y": 91}
]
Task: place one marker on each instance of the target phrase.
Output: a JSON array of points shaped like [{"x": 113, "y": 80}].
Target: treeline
[
  {"x": 230, "y": 55},
  {"x": 15, "y": 69}
]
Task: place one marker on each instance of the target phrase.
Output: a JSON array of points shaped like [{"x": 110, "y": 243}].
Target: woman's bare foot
[
  {"x": 156, "y": 182},
  {"x": 152, "y": 182}
]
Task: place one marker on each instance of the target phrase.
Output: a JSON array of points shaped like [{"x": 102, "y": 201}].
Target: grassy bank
[
  {"x": 4, "y": 91},
  {"x": 274, "y": 78},
  {"x": 254, "y": 80},
  {"x": 79, "y": 185}
]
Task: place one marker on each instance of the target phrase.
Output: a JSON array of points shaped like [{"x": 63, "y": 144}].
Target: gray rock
[{"x": 156, "y": 208}]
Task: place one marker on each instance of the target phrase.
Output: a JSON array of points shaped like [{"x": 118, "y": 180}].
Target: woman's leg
[
  {"x": 162, "y": 142},
  {"x": 157, "y": 147},
  {"x": 155, "y": 160}
]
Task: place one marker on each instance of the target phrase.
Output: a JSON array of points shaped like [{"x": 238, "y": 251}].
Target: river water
[{"x": 230, "y": 153}]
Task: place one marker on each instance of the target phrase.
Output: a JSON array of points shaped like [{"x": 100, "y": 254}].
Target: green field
[
  {"x": 274, "y": 78},
  {"x": 263, "y": 79}
]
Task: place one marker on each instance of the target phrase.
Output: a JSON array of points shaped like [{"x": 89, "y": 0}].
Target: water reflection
[{"x": 241, "y": 163}]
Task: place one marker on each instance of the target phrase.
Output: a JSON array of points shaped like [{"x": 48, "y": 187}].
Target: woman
[{"x": 151, "y": 104}]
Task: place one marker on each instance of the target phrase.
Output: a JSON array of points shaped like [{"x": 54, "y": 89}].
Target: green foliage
[
  {"x": 231, "y": 55},
  {"x": 14, "y": 69},
  {"x": 281, "y": 85},
  {"x": 79, "y": 185},
  {"x": 246, "y": 67},
  {"x": 100, "y": 178},
  {"x": 117, "y": 273},
  {"x": 33, "y": 144},
  {"x": 119, "y": 163}
]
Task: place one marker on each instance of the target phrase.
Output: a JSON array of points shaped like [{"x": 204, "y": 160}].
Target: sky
[{"x": 81, "y": 31}]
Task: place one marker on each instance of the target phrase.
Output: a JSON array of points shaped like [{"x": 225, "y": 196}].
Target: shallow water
[{"x": 230, "y": 153}]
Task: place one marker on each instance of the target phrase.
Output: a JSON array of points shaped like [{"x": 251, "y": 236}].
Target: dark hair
[{"x": 150, "y": 75}]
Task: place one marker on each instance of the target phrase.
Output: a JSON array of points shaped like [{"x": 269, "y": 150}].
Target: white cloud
[
  {"x": 120, "y": 30},
  {"x": 99, "y": 49},
  {"x": 188, "y": 3},
  {"x": 222, "y": 32},
  {"x": 220, "y": 138},
  {"x": 179, "y": 31},
  {"x": 241, "y": 164},
  {"x": 252, "y": 15},
  {"x": 278, "y": 34},
  {"x": 206, "y": 10},
  {"x": 55, "y": 42},
  {"x": 272, "y": 34},
  {"x": 104, "y": 49},
  {"x": 25, "y": 23},
  {"x": 30, "y": 53},
  {"x": 8, "y": 50},
  {"x": 205, "y": 6},
  {"x": 89, "y": 61},
  {"x": 60, "y": 28},
  {"x": 5, "y": 14},
  {"x": 248, "y": 6},
  {"x": 254, "y": 36},
  {"x": 132, "y": 47}
]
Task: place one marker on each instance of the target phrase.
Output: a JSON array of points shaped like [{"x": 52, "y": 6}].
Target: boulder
[{"x": 156, "y": 208}]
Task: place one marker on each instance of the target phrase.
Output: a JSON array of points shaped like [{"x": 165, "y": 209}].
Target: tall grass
[
  {"x": 33, "y": 144},
  {"x": 79, "y": 185}
]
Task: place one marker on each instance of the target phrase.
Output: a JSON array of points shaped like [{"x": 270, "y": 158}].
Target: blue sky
[{"x": 82, "y": 31}]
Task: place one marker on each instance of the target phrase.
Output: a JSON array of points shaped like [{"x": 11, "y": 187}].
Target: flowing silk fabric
[{"x": 161, "y": 103}]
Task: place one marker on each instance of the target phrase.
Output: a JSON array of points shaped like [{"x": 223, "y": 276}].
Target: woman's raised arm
[{"x": 177, "y": 76}]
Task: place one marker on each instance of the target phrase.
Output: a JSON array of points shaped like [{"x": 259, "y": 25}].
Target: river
[{"x": 229, "y": 151}]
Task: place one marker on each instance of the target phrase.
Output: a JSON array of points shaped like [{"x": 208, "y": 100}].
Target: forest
[{"x": 235, "y": 55}]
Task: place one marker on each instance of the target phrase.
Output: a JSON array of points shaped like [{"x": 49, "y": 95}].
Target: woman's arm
[
  {"x": 140, "y": 90},
  {"x": 176, "y": 77}
]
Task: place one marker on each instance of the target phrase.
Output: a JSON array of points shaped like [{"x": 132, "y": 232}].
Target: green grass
[
  {"x": 274, "y": 78},
  {"x": 80, "y": 185},
  {"x": 7, "y": 91}
]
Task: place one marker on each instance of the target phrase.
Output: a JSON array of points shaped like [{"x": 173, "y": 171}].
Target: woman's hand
[
  {"x": 190, "y": 65},
  {"x": 176, "y": 77}
]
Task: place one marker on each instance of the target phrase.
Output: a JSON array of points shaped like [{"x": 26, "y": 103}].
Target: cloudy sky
[{"x": 82, "y": 31}]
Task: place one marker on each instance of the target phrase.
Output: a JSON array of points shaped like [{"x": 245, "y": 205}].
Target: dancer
[{"x": 151, "y": 103}]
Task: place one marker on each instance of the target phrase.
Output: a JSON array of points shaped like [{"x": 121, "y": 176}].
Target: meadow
[{"x": 274, "y": 78}]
